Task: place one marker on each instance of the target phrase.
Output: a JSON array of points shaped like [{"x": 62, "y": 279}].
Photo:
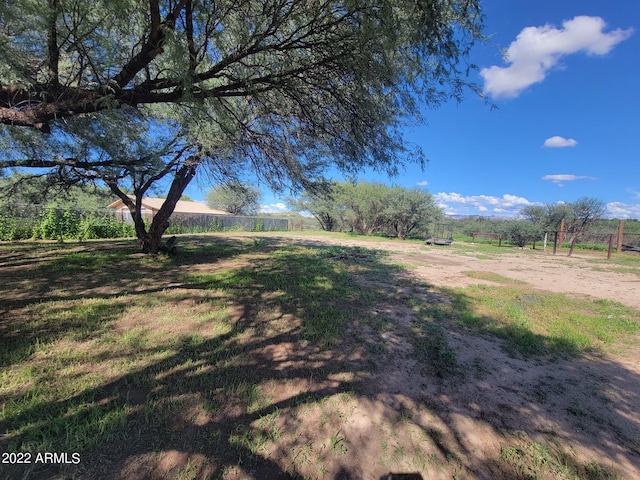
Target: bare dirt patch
[{"x": 499, "y": 415}]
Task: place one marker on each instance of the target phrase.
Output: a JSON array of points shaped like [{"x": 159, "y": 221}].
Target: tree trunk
[{"x": 151, "y": 241}]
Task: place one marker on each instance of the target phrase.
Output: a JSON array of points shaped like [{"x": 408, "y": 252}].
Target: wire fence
[
  {"x": 556, "y": 242},
  {"x": 194, "y": 223},
  {"x": 21, "y": 222}
]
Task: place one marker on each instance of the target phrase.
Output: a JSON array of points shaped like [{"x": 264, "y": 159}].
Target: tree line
[
  {"x": 370, "y": 207},
  {"x": 584, "y": 216}
]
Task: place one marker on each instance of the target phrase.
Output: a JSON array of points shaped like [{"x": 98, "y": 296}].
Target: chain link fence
[
  {"x": 199, "y": 223},
  {"x": 21, "y": 222}
]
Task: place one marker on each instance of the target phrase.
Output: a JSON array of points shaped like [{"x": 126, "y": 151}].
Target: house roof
[{"x": 182, "y": 206}]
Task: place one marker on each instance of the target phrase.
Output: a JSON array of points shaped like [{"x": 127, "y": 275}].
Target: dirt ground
[
  {"x": 507, "y": 417},
  {"x": 572, "y": 275},
  {"x": 495, "y": 417}
]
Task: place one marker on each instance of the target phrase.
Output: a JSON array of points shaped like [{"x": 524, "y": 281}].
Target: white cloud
[
  {"x": 480, "y": 204},
  {"x": 622, "y": 210},
  {"x": 559, "y": 142},
  {"x": 423, "y": 183},
  {"x": 447, "y": 209},
  {"x": 274, "y": 208},
  {"x": 510, "y": 205},
  {"x": 559, "y": 179},
  {"x": 536, "y": 50}
]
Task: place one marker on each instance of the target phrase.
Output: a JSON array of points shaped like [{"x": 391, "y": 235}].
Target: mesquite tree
[
  {"x": 578, "y": 216},
  {"x": 285, "y": 87},
  {"x": 370, "y": 207},
  {"x": 235, "y": 197}
]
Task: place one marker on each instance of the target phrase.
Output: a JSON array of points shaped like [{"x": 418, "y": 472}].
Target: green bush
[
  {"x": 67, "y": 224},
  {"x": 520, "y": 232},
  {"x": 58, "y": 224},
  {"x": 7, "y": 228},
  {"x": 92, "y": 227}
]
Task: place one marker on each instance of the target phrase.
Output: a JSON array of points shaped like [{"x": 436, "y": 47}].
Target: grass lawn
[{"x": 254, "y": 357}]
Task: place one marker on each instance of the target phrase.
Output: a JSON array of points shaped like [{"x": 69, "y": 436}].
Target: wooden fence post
[
  {"x": 555, "y": 242},
  {"x": 620, "y": 234},
  {"x": 610, "y": 246}
]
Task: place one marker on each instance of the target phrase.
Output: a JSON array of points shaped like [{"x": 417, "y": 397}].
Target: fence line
[
  {"x": 487, "y": 235},
  {"x": 217, "y": 223},
  {"x": 22, "y": 221}
]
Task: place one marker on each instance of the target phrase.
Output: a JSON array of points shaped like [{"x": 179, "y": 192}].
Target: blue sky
[{"x": 568, "y": 117}]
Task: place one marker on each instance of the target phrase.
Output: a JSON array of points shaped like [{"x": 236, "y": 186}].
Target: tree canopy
[
  {"x": 235, "y": 197},
  {"x": 371, "y": 207},
  {"x": 284, "y": 88},
  {"x": 577, "y": 216}
]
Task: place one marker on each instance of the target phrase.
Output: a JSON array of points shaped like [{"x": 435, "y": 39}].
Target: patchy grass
[
  {"x": 533, "y": 459},
  {"x": 492, "y": 277},
  {"x": 107, "y": 350},
  {"x": 252, "y": 356},
  {"x": 538, "y": 323},
  {"x": 619, "y": 263},
  {"x": 431, "y": 349}
]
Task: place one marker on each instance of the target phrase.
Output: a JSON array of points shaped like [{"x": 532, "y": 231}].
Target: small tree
[
  {"x": 408, "y": 210},
  {"x": 323, "y": 205},
  {"x": 235, "y": 197},
  {"x": 585, "y": 211},
  {"x": 577, "y": 216},
  {"x": 520, "y": 232},
  {"x": 365, "y": 205}
]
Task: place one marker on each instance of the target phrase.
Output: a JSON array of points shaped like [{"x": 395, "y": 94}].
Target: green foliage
[
  {"x": 58, "y": 224},
  {"x": 235, "y": 197},
  {"x": 92, "y": 227},
  {"x": 371, "y": 207},
  {"x": 322, "y": 205},
  {"x": 302, "y": 87},
  {"x": 408, "y": 211},
  {"x": 20, "y": 188},
  {"x": 7, "y": 228},
  {"x": 576, "y": 215},
  {"x": 520, "y": 232},
  {"x": 365, "y": 204},
  {"x": 63, "y": 224}
]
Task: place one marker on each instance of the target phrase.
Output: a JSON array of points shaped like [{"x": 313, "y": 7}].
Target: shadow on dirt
[{"x": 305, "y": 382}]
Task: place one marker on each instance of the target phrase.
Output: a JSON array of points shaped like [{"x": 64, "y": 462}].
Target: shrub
[
  {"x": 520, "y": 232},
  {"x": 104, "y": 227},
  {"x": 7, "y": 228}
]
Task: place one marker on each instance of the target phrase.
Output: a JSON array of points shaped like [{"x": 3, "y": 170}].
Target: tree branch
[
  {"x": 153, "y": 46},
  {"x": 52, "y": 43}
]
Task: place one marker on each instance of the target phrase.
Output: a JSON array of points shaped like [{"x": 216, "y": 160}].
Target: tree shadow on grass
[{"x": 236, "y": 404}]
